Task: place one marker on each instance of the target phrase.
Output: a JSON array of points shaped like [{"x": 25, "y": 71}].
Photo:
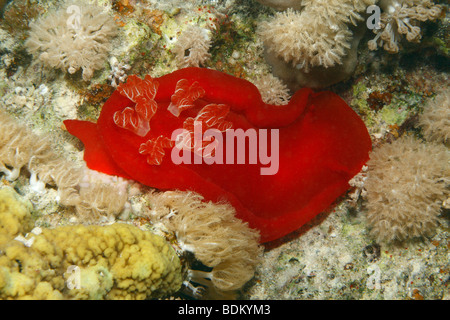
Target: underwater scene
[{"x": 224, "y": 150}]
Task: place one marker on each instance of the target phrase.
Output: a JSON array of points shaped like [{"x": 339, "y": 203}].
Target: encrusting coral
[
  {"x": 435, "y": 119},
  {"x": 213, "y": 234},
  {"x": 401, "y": 17},
  {"x": 191, "y": 49},
  {"x": 118, "y": 261},
  {"x": 73, "y": 38},
  {"x": 407, "y": 182}
]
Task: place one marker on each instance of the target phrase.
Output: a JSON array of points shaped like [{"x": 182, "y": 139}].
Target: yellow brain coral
[{"x": 118, "y": 261}]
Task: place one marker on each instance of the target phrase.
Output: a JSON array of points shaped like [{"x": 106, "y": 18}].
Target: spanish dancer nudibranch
[{"x": 205, "y": 131}]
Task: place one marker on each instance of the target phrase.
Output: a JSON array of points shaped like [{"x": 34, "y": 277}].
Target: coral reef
[
  {"x": 333, "y": 257},
  {"x": 97, "y": 198},
  {"x": 316, "y": 44},
  {"x": 118, "y": 261},
  {"x": 211, "y": 231},
  {"x": 15, "y": 215},
  {"x": 77, "y": 186},
  {"x": 316, "y": 36},
  {"x": 435, "y": 120},
  {"x": 401, "y": 17},
  {"x": 313, "y": 40},
  {"x": 191, "y": 49},
  {"x": 73, "y": 38},
  {"x": 336, "y": 260},
  {"x": 407, "y": 182}
]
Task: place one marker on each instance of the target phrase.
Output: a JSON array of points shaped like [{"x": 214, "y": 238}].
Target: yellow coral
[
  {"x": 14, "y": 215},
  {"x": 118, "y": 261}
]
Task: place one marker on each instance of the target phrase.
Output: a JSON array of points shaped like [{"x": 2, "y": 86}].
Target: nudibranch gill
[{"x": 154, "y": 131}]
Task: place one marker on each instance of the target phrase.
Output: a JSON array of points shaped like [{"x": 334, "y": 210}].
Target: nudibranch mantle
[{"x": 321, "y": 144}]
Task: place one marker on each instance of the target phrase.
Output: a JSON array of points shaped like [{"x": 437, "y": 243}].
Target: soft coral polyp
[{"x": 322, "y": 145}]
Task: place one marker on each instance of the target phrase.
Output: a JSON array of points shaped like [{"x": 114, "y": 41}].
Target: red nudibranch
[{"x": 317, "y": 140}]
